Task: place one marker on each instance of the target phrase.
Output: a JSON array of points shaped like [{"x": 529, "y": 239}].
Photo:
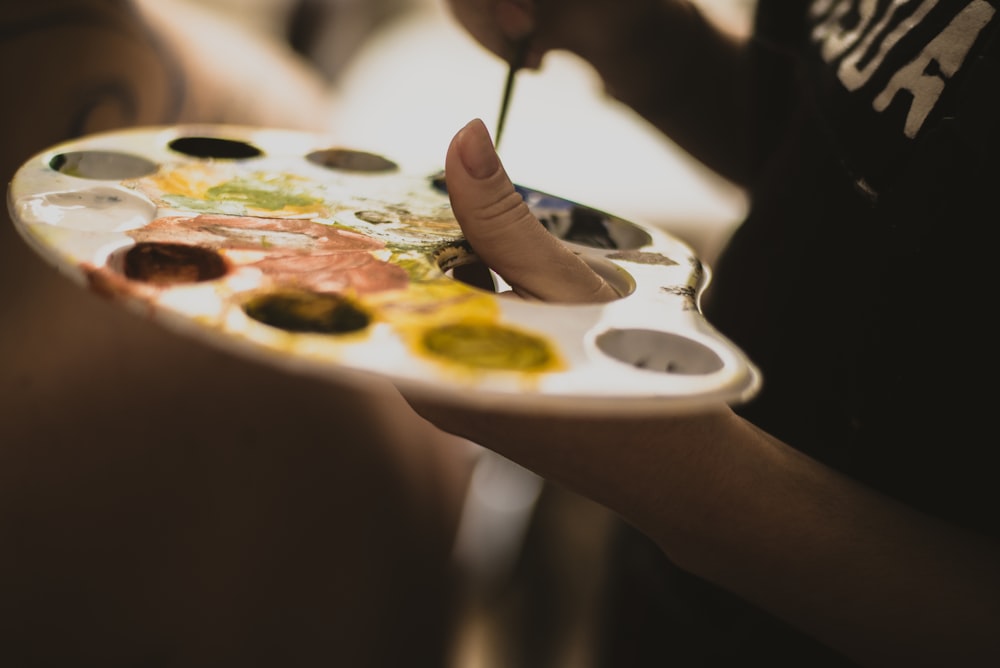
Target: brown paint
[{"x": 171, "y": 264}]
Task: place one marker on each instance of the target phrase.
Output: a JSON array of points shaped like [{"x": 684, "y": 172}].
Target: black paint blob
[
  {"x": 215, "y": 148},
  {"x": 307, "y": 312}
]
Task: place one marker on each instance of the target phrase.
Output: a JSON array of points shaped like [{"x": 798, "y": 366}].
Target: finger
[
  {"x": 515, "y": 18},
  {"x": 505, "y": 234},
  {"x": 499, "y": 25},
  {"x": 518, "y": 23}
]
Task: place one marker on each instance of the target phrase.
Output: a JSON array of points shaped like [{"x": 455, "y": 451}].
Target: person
[
  {"x": 848, "y": 515},
  {"x": 167, "y": 504}
]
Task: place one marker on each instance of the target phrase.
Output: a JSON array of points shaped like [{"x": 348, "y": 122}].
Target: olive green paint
[{"x": 489, "y": 346}]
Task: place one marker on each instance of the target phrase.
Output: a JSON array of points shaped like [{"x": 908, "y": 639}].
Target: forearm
[
  {"x": 681, "y": 73},
  {"x": 876, "y": 580}
]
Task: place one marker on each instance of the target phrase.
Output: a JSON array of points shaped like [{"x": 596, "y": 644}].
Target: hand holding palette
[{"x": 286, "y": 248}]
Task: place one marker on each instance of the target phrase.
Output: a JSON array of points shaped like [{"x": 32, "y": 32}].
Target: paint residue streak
[{"x": 291, "y": 252}]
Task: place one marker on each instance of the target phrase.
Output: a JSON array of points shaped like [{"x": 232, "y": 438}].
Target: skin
[
  {"x": 874, "y": 579},
  {"x": 632, "y": 45}
]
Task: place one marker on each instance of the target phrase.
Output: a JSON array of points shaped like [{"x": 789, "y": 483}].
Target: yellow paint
[
  {"x": 490, "y": 347},
  {"x": 459, "y": 327}
]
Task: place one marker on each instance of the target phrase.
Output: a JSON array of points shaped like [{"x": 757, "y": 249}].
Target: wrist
[
  {"x": 683, "y": 74},
  {"x": 633, "y": 49}
]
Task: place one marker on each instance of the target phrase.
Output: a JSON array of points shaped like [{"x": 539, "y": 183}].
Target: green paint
[
  {"x": 236, "y": 196},
  {"x": 489, "y": 346},
  {"x": 267, "y": 196},
  {"x": 193, "y": 204}
]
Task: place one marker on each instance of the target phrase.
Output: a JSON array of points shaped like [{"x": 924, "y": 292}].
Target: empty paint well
[
  {"x": 102, "y": 165},
  {"x": 659, "y": 351},
  {"x": 349, "y": 160}
]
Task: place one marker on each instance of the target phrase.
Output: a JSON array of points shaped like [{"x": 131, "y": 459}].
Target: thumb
[{"x": 505, "y": 234}]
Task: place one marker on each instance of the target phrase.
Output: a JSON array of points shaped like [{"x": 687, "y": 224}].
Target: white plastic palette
[{"x": 323, "y": 259}]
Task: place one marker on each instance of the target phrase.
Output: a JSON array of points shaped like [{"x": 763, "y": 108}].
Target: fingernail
[{"x": 476, "y": 151}]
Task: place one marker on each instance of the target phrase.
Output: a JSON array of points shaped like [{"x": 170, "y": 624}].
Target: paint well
[
  {"x": 215, "y": 148},
  {"x": 307, "y": 312},
  {"x": 664, "y": 352},
  {"x": 349, "y": 160},
  {"x": 490, "y": 346},
  {"x": 102, "y": 165},
  {"x": 172, "y": 264}
]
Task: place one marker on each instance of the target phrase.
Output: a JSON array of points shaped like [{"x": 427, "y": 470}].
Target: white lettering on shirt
[
  {"x": 924, "y": 77},
  {"x": 948, "y": 50}
]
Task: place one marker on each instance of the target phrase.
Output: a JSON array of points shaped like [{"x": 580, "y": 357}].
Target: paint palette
[{"x": 291, "y": 249}]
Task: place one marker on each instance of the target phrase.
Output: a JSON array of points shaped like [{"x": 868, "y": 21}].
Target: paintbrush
[{"x": 516, "y": 63}]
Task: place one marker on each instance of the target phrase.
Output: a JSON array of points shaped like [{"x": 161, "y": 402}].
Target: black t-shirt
[{"x": 862, "y": 283}]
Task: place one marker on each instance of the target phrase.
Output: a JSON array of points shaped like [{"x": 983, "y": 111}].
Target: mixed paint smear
[
  {"x": 322, "y": 269},
  {"x": 197, "y": 188}
]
